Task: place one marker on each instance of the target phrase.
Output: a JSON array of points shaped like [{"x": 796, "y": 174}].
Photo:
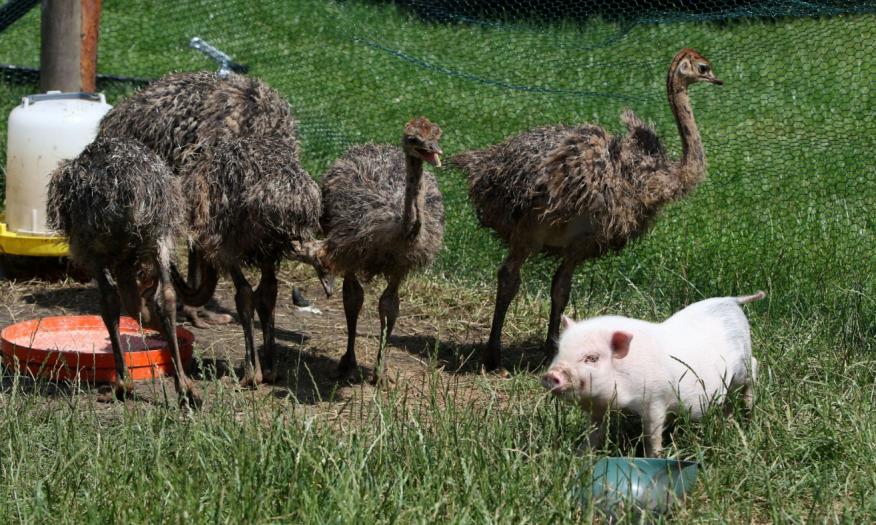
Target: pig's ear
[
  {"x": 567, "y": 322},
  {"x": 620, "y": 344}
]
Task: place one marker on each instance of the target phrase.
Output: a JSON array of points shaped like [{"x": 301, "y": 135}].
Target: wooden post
[
  {"x": 60, "y": 45},
  {"x": 68, "y": 52},
  {"x": 88, "y": 53}
]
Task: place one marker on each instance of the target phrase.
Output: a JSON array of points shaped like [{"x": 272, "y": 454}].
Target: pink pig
[{"x": 687, "y": 362}]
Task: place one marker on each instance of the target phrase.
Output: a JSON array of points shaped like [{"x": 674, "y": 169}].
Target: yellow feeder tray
[{"x": 12, "y": 243}]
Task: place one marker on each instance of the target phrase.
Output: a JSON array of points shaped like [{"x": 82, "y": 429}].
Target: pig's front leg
[{"x": 652, "y": 423}]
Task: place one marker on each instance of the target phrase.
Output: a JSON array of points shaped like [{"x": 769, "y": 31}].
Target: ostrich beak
[
  {"x": 713, "y": 79},
  {"x": 328, "y": 283},
  {"x": 432, "y": 155}
]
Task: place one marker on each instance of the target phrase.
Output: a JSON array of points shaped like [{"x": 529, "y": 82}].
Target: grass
[
  {"x": 497, "y": 451},
  {"x": 787, "y": 208}
]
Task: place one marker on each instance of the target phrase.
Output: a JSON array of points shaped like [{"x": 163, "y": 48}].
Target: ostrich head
[
  {"x": 690, "y": 67},
  {"x": 323, "y": 266},
  {"x": 314, "y": 253},
  {"x": 421, "y": 141},
  {"x": 147, "y": 287}
]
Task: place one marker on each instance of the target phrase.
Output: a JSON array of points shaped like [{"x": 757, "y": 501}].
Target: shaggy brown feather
[
  {"x": 183, "y": 115},
  {"x": 252, "y": 201},
  {"x": 554, "y": 174},
  {"x": 252, "y": 204},
  {"x": 115, "y": 202},
  {"x": 182, "y": 110},
  {"x": 363, "y": 196}
]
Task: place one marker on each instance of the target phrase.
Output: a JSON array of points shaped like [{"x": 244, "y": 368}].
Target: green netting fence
[{"x": 789, "y": 202}]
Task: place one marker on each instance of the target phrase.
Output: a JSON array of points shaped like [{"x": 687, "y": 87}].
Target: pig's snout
[{"x": 555, "y": 380}]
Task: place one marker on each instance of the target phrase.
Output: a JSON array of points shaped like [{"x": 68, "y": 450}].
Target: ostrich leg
[
  {"x": 265, "y": 302},
  {"x": 354, "y": 296},
  {"x": 200, "y": 316},
  {"x": 509, "y": 283},
  {"x": 166, "y": 309},
  {"x": 561, "y": 286},
  {"x": 243, "y": 299},
  {"x": 388, "y": 308},
  {"x": 110, "y": 309}
]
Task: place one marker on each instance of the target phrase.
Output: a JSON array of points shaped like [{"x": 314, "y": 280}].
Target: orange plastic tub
[{"x": 67, "y": 347}]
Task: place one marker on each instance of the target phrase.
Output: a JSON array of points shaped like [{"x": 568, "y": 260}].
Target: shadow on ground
[{"x": 465, "y": 358}]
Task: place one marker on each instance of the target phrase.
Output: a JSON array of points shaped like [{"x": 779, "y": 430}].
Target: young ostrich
[
  {"x": 383, "y": 215},
  {"x": 577, "y": 192},
  {"x": 181, "y": 113},
  {"x": 253, "y": 204},
  {"x": 121, "y": 208}
]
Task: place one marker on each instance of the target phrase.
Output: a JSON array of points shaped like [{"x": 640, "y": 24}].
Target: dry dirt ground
[{"x": 438, "y": 335}]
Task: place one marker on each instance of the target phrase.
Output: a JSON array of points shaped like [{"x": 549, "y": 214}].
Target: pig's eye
[{"x": 590, "y": 359}]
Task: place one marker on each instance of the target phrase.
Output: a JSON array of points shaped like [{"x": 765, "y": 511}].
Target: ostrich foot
[
  {"x": 491, "y": 361},
  {"x": 216, "y": 317},
  {"x": 203, "y": 318},
  {"x": 354, "y": 375},
  {"x": 271, "y": 376},
  {"x": 380, "y": 380},
  {"x": 252, "y": 379},
  {"x": 499, "y": 372},
  {"x": 190, "y": 396},
  {"x": 119, "y": 391},
  {"x": 549, "y": 350},
  {"x": 347, "y": 370}
]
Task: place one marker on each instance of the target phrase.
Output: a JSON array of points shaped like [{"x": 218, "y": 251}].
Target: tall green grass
[{"x": 506, "y": 455}]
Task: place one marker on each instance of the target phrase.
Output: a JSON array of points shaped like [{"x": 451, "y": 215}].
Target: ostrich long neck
[
  {"x": 692, "y": 166},
  {"x": 413, "y": 193}
]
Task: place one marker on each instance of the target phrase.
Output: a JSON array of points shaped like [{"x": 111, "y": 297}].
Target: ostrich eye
[{"x": 703, "y": 69}]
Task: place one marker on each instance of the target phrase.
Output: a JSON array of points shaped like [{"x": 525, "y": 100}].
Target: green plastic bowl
[{"x": 641, "y": 484}]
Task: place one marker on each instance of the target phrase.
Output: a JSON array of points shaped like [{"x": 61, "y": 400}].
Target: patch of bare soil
[{"x": 437, "y": 337}]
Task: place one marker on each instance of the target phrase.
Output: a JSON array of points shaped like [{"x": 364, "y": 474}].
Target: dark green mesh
[{"x": 788, "y": 203}]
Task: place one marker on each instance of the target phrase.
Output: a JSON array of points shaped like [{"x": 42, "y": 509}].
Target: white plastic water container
[{"x": 43, "y": 131}]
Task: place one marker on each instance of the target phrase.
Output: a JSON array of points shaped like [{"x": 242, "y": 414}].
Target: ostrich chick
[
  {"x": 121, "y": 208},
  {"x": 253, "y": 204},
  {"x": 181, "y": 113},
  {"x": 577, "y": 192},
  {"x": 383, "y": 215}
]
